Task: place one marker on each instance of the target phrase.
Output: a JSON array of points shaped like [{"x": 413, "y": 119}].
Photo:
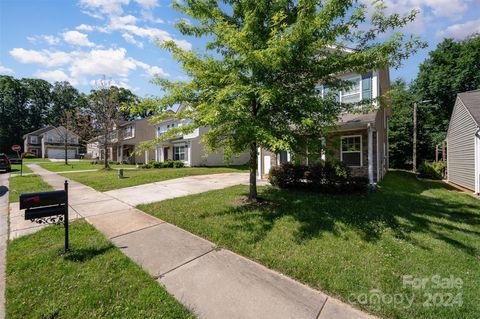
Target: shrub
[
  {"x": 178, "y": 164},
  {"x": 287, "y": 175},
  {"x": 147, "y": 166},
  {"x": 431, "y": 170},
  {"x": 327, "y": 177},
  {"x": 29, "y": 155}
]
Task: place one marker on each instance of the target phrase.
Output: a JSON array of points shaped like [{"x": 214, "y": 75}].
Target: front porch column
[
  {"x": 189, "y": 154},
  {"x": 121, "y": 154},
  {"x": 259, "y": 163},
  {"x": 370, "y": 154}
]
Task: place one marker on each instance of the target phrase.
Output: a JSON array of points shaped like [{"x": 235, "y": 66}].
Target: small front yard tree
[
  {"x": 255, "y": 86},
  {"x": 106, "y": 115}
]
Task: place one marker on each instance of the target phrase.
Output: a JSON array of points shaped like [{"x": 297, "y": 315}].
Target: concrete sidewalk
[
  {"x": 212, "y": 282},
  {"x": 178, "y": 187}
]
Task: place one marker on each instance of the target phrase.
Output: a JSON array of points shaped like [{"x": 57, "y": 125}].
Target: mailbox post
[{"x": 47, "y": 208}]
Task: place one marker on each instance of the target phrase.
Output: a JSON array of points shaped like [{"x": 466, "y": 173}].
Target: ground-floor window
[
  {"x": 351, "y": 150},
  {"x": 179, "y": 153}
]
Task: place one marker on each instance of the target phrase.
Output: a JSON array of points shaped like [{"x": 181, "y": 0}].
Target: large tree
[
  {"x": 254, "y": 86},
  {"x": 453, "y": 67}
]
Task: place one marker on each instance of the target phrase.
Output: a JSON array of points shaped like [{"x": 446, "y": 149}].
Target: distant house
[
  {"x": 48, "y": 142},
  {"x": 125, "y": 145},
  {"x": 463, "y": 142},
  {"x": 360, "y": 140}
]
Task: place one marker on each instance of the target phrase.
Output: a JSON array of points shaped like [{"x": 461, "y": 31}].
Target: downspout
[{"x": 370, "y": 154}]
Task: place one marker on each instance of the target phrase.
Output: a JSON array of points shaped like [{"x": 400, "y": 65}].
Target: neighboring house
[
  {"x": 125, "y": 142},
  {"x": 125, "y": 146},
  {"x": 48, "y": 142},
  {"x": 189, "y": 149},
  {"x": 463, "y": 142},
  {"x": 359, "y": 140}
]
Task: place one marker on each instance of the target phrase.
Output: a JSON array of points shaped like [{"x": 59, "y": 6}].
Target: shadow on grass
[
  {"x": 85, "y": 254},
  {"x": 401, "y": 205}
]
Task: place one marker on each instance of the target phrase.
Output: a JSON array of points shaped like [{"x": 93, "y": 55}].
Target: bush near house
[
  {"x": 432, "y": 170},
  {"x": 166, "y": 164},
  {"x": 324, "y": 177}
]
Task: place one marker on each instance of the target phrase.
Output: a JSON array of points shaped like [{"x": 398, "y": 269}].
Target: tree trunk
[
  {"x": 105, "y": 152},
  {"x": 253, "y": 172},
  {"x": 66, "y": 148}
]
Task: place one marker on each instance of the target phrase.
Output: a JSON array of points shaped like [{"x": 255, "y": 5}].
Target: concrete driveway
[{"x": 158, "y": 191}]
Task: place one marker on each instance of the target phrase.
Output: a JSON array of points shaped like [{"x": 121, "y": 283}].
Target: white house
[{"x": 463, "y": 142}]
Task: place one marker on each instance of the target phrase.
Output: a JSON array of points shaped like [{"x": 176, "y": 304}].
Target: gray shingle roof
[
  {"x": 40, "y": 131},
  {"x": 471, "y": 100}
]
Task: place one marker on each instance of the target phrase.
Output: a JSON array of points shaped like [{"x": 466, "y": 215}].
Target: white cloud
[
  {"x": 5, "y": 70},
  {"x": 110, "y": 62},
  {"x": 85, "y": 27},
  {"x": 110, "y": 7},
  {"x": 442, "y": 8},
  {"x": 147, "y": 4},
  {"x": 45, "y": 57},
  {"x": 460, "y": 31},
  {"x": 129, "y": 38},
  {"x": 77, "y": 38},
  {"x": 128, "y": 23},
  {"x": 156, "y": 71},
  {"x": 55, "y": 76},
  {"x": 49, "y": 39}
]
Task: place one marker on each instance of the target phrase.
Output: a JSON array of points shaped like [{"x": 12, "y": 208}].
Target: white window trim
[
  {"x": 352, "y": 79},
  {"x": 361, "y": 149},
  {"x": 185, "y": 151},
  {"x": 349, "y": 78},
  {"x": 133, "y": 132},
  {"x": 31, "y": 139}
]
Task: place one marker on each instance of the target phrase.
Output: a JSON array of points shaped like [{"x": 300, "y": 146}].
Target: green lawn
[
  {"x": 351, "y": 246},
  {"x": 26, "y": 184},
  {"x": 95, "y": 280},
  {"x": 77, "y": 166},
  {"x": 16, "y": 168},
  {"x": 108, "y": 180}
]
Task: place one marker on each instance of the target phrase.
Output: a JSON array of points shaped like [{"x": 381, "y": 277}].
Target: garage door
[{"x": 59, "y": 153}]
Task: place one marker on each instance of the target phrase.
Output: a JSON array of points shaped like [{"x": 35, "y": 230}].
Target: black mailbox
[
  {"x": 32, "y": 200},
  {"x": 47, "y": 208}
]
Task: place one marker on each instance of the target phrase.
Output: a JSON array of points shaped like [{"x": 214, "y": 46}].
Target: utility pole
[
  {"x": 414, "y": 137},
  {"x": 415, "y": 107}
]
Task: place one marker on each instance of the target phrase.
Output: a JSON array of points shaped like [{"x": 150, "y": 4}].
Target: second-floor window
[
  {"x": 34, "y": 139},
  {"x": 354, "y": 93},
  {"x": 359, "y": 89},
  {"x": 128, "y": 131},
  {"x": 165, "y": 127}
]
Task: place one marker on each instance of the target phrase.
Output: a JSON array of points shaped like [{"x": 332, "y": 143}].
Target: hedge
[{"x": 324, "y": 177}]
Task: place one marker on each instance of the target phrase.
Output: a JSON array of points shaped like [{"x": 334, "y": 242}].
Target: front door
[{"x": 165, "y": 154}]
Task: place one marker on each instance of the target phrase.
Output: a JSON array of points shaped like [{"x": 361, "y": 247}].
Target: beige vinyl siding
[{"x": 461, "y": 147}]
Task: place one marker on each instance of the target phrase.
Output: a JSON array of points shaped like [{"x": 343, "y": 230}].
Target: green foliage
[
  {"x": 94, "y": 280},
  {"x": 401, "y": 125},
  {"x": 434, "y": 170},
  {"x": 350, "y": 245},
  {"x": 29, "y": 155},
  {"x": 166, "y": 164},
  {"x": 254, "y": 85},
  {"x": 326, "y": 177}
]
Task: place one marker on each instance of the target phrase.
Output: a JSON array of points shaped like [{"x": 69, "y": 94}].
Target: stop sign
[{"x": 16, "y": 148}]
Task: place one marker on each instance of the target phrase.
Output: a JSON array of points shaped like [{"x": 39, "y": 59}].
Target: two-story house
[
  {"x": 49, "y": 142},
  {"x": 189, "y": 148},
  {"x": 125, "y": 145},
  {"x": 360, "y": 139}
]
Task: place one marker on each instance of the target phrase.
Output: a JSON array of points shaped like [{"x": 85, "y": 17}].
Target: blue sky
[{"x": 82, "y": 40}]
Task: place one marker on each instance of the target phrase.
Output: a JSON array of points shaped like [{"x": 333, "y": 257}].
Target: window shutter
[{"x": 367, "y": 86}]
